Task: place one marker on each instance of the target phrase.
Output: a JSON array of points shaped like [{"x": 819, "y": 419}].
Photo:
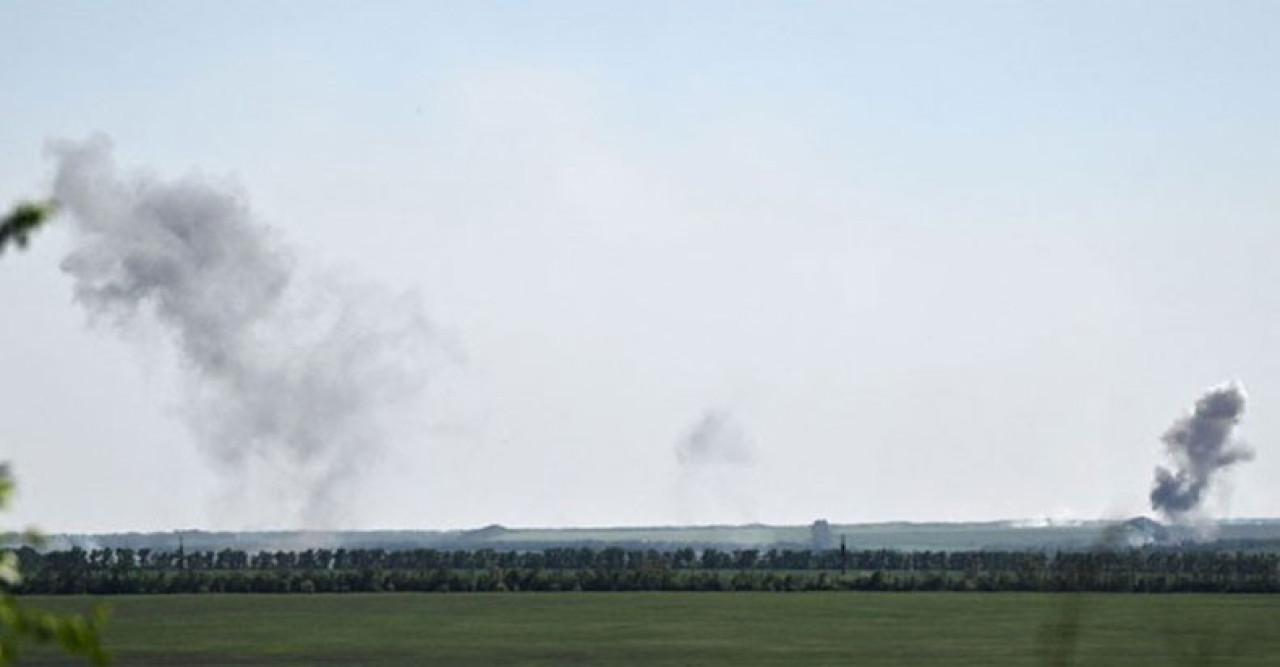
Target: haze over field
[{"x": 570, "y": 264}]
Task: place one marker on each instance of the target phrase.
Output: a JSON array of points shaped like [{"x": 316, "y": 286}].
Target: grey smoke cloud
[
  {"x": 717, "y": 470},
  {"x": 287, "y": 371},
  {"x": 715, "y": 438},
  {"x": 1199, "y": 445}
]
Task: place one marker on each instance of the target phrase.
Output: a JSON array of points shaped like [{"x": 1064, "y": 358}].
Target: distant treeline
[
  {"x": 119, "y": 571},
  {"x": 1260, "y": 535}
]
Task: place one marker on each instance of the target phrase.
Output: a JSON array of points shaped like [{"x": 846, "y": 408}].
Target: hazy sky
[{"x": 912, "y": 260}]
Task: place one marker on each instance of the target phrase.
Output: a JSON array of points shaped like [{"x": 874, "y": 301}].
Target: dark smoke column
[{"x": 1200, "y": 445}]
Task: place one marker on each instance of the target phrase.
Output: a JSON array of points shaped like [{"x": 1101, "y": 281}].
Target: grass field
[{"x": 688, "y": 629}]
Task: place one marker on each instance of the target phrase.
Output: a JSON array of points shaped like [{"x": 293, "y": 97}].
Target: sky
[{"x": 710, "y": 262}]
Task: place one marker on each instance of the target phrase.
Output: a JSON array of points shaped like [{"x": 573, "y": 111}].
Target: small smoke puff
[
  {"x": 1200, "y": 445},
  {"x": 715, "y": 438}
]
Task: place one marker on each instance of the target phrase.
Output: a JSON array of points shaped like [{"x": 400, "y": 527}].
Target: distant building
[{"x": 820, "y": 535}]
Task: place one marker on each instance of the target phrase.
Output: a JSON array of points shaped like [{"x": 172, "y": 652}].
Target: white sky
[{"x": 937, "y": 261}]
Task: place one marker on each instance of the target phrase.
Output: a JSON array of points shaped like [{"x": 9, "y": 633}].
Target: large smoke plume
[
  {"x": 1199, "y": 445},
  {"x": 289, "y": 375}
]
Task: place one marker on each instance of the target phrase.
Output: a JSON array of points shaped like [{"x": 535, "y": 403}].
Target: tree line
[{"x": 117, "y": 571}]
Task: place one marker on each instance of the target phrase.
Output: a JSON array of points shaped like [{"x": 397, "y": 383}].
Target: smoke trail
[
  {"x": 717, "y": 479},
  {"x": 714, "y": 439},
  {"x": 290, "y": 373},
  {"x": 1199, "y": 445}
]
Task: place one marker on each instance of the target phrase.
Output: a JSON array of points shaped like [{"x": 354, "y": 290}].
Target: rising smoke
[
  {"x": 1200, "y": 445},
  {"x": 286, "y": 372},
  {"x": 717, "y": 470},
  {"x": 714, "y": 439}
]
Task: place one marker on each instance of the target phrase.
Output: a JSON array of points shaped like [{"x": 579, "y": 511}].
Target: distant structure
[
  {"x": 820, "y": 535},
  {"x": 1141, "y": 532}
]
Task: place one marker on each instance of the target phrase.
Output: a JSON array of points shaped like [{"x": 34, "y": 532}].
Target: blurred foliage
[
  {"x": 19, "y": 624},
  {"x": 25, "y": 218}
]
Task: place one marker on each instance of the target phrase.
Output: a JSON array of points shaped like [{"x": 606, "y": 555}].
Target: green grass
[{"x": 688, "y": 629}]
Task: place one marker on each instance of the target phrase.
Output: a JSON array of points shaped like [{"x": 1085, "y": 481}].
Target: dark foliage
[
  {"x": 19, "y": 224},
  {"x": 111, "y": 571}
]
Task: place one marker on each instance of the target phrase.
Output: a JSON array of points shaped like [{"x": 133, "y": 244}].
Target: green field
[{"x": 688, "y": 628}]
